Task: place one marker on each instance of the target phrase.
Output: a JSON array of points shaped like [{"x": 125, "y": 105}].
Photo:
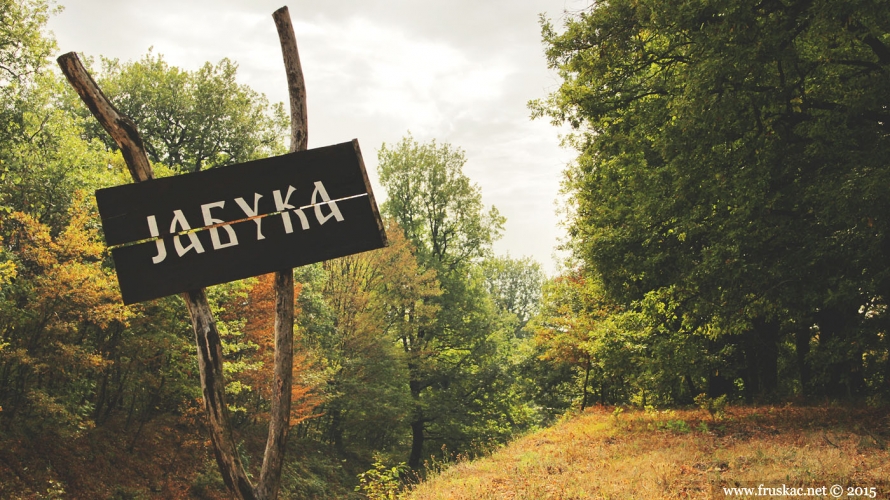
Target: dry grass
[{"x": 679, "y": 454}]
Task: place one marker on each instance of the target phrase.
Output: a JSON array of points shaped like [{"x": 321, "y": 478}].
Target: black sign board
[{"x": 228, "y": 223}]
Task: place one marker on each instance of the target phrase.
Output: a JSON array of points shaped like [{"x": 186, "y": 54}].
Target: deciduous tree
[
  {"x": 734, "y": 169},
  {"x": 455, "y": 380},
  {"x": 192, "y": 120}
]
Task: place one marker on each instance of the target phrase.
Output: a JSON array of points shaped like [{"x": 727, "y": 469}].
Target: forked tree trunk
[{"x": 210, "y": 362}]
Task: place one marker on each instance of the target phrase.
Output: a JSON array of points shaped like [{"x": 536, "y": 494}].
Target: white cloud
[{"x": 390, "y": 75}]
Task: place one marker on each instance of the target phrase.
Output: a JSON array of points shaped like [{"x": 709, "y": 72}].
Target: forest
[{"x": 728, "y": 221}]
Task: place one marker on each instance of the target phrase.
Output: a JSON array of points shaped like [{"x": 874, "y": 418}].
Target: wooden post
[
  {"x": 295, "y": 84},
  {"x": 213, "y": 386},
  {"x": 124, "y": 132},
  {"x": 121, "y": 128},
  {"x": 279, "y": 421},
  {"x": 210, "y": 361}
]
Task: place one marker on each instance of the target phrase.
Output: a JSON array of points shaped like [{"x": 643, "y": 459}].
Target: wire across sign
[{"x": 190, "y": 231}]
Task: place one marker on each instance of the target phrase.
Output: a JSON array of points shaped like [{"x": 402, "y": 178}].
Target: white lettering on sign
[
  {"x": 282, "y": 205},
  {"x": 162, "y": 249},
  {"x": 335, "y": 211},
  {"x": 252, "y": 213},
  {"x": 214, "y": 231},
  {"x": 196, "y": 245}
]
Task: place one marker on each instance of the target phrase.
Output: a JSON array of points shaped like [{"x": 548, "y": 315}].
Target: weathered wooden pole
[
  {"x": 279, "y": 421},
  {"x": 210, "y": 361},
  {"x": 213, "y": 386},
  {"x": 120, "y": 127}
]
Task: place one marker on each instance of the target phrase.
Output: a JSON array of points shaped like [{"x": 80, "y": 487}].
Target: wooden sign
[{"x": 194, "y": 230}]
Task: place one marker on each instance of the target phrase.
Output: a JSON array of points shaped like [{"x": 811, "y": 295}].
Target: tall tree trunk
[
  {"x": 767, "y": 334},
  {"x": 210, "y": 367},
  {"x": 335, "y": 433},
  {"x": 833, "y": 323},
  {"x": 750, "y": 372},
  {"x": 761, "y": 373},
  {"x": 417, "y": 429},
  {"x": 802, "y": 344},
  {"x": 586, "y": 380},
  {"x": 718, "y": 383},
  {"x": 418, "y": 425},
  {"x": 690, "y": 386}
]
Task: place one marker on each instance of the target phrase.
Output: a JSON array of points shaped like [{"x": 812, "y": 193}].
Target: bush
[{"x": 382, "y": 482}]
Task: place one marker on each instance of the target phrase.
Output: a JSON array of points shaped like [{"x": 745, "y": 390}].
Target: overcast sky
[{"x": 458, "y": 71}]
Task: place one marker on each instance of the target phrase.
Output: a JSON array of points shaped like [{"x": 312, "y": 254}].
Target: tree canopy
[
  {"x": 440, "y": 210},
  {"x": 23, "y": 53},
  {"x": 459, "y": 373},
  {"x": 728, "y": 227},
  {"x": 733, "y": 169},
  {"x": 192, "y": 120}
]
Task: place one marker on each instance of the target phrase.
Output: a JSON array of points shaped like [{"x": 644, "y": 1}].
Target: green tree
[
  {"x": 24, "y": 50},
  {"x": 75, "y": 356},
  {"x": 48, "y": 161},
  {"x": 515, "y": 285},
  {"x": 453, "y": 374},
  {"x": 437, "y": 206},
  {"x": 42, "y": 158},
  {"x": 192, "y": 120},
  {"x": 356, "y": 326},
  {"x": 733, "y": 173},
  {"x": 80, "y": 372}
]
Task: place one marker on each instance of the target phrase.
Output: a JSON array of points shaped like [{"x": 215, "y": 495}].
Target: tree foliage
[
  {"x": 437, "y": 206},
  {"x": 23, "y": 53},
  {"x": 192, "y": 120},
  {"x": 250, "y": 356},
  {"x": 42, "y": 158},
  {"x": 515, "y": 285},
  {"x": 732, "y": 176},
  {"x": 409, "y": 350},
  {"x": 355, "y": 326},
  {"x": 460, "y": 373},
  {"x": 53, "y": 348}
]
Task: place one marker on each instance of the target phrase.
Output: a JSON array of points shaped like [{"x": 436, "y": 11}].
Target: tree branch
[{"x": 121, "y": 128}]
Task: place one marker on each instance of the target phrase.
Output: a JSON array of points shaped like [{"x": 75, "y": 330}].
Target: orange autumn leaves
[
  {"x": 56, "y": 296},
  {"x": 69, "y": 286},
  {"x": 368, "y": 296},
  {"x": 258, "y": 314}
]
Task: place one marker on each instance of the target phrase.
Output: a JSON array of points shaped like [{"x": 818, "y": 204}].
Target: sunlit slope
[{"x": 680, "y": 454}]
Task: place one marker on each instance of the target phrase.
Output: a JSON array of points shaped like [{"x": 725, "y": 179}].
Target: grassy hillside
[{"x": 682, "y": 454}]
